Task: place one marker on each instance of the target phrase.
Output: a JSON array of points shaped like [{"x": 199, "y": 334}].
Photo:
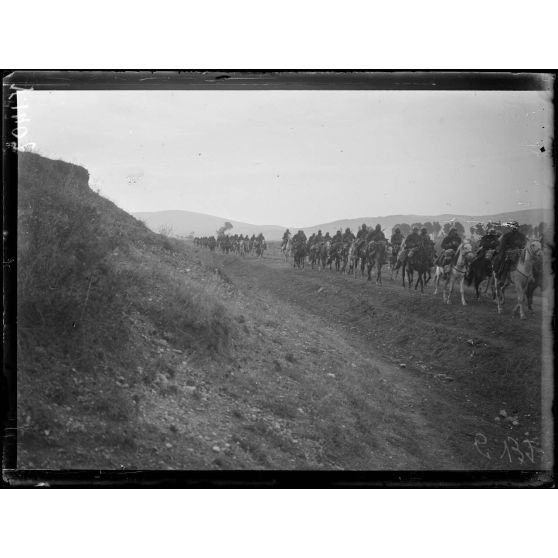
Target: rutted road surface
[{"x": 452, "y": 370}]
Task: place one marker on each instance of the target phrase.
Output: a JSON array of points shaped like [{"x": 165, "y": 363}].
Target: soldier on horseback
[
  {"x": 489, "y": 241},
  {"x": 362, "y": 232},
  {"x": 452, "y": 241},
  {"x": 508, "y": 251},
  {"x": 338, "y": 237},
  {"x": 450, "y": 244},
  {"x": 413, "y": 240},
  {"x": 348, "y": 236},
  {"x": 376, "y": 234},
  {"x": 396, "y": 240},
  {"x": 424, "y": 239},
  {"x": 286, "y": 236},
  {"x": 299, "y": 238}
]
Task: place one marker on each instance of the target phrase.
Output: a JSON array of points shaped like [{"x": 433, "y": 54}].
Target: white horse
[
  {"x": 457, "y": 272},
  {"x": 287, "y": 249},
  {"x": 519, "y": 276}
]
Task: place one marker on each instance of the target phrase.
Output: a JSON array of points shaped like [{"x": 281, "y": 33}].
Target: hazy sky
[{"x": 299, "y": 158}]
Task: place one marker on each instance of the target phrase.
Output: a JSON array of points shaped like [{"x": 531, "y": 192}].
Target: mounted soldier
[
  {"x": 413, "y": 240},
  {"x": 299, "y": 238},
  {"x": 424, "y": 239},
  {"x": 376, "y": 234},
  {"x": 511, "y": 244},
  {"x": 338, "y": 238},
  {"x": 362, "y": 232},
  {"x": 286, "y": 236},
  {"x": 396, "y": 240},
  {"x": 348, "y": 236},
  {"x": 489, "y": 241},
  {"x": 452, "y": 241}
]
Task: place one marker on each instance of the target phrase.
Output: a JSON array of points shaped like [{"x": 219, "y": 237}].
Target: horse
[
  {"x": 464, "y": 256},
  {"x": 519, "y": 276},
  {"x": 400, "y": 264},
  {"x": 376, "y": 255},
  {"x": 479, "y": 270},
  {"x": 392, "y": 257},
  {"x": 352, "y": 259},
  {"x": 537, "y": 282},
  {"x": 287, "y": 248},
  {"x": 323, "y": 254},
  {"x": 336, "y": 255},
  {"x": 299, "y": 255},
  {"x": 260, "y": 247},
  {"x": 418, "y": 259}
]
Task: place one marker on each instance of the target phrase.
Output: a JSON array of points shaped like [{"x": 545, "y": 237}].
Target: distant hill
[
  {"x": 185, "y": 222},
  {"x": 524, "y": 216}
]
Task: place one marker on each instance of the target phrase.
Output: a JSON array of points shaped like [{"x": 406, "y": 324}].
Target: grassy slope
[
  {"x": 95, "y": 301},
  {"x": 134, "y": 353}
]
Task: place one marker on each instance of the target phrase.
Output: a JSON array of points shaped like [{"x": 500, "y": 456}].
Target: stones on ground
[
  {"x": 216, "y": 449},
  {"x": 503, "y": 413},
  {"x": 402, "y": 365},
  {"x": 168, "y": 445},
  {"x": 331, "y": 375}
]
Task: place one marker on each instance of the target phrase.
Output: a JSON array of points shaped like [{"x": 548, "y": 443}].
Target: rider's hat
[{"x": 415, "y": 229}]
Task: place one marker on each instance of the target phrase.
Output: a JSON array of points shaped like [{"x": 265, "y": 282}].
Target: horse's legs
[
  {"x": 497, "y": 290},
  {"x": 463, "y": 301}
]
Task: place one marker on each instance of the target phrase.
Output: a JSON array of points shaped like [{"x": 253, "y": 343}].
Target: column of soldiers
[{"x": 502, "y": 248}]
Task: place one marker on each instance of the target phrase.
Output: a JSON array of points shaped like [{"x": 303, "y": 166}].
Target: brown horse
[
  {"x": 376, "y": 256},
  {"x": 420, "y": 260}
]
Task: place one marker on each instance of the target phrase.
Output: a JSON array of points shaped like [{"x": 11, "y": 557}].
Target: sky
[{"x": 299, "y": 158}]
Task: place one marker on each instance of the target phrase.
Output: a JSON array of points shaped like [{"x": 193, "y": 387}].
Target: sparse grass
[{"x": 85, "y": 268}]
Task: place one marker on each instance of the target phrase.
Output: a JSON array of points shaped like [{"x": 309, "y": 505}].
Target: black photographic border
[{"x": 438, "y": 80}]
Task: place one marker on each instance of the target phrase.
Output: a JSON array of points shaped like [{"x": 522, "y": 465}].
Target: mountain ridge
[{"x": 184, "y": 222}]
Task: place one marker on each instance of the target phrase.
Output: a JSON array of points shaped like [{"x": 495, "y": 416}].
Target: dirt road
[{"x": 458, "y": 374}]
